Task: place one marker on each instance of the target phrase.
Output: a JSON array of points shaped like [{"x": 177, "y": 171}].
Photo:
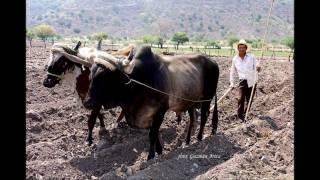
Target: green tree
[
  {"x": 180, "y": 38},
  {"x": 44, "y": 31},
  {"x": 289, "y": 41},
  {"x": 89, "y": 37},
  {"x": 99, "y": 36},
  {"x": 30, "y": 36},
  {"x": 53, "y": 38},
  {"x": 159, "y": 40},
  {"x": 231, "y": 41},
  {"x": 149, "y": 39},
  {"x": 249, "y": 41},
  {"x": 256, "y": 43},
  {"x": 213, "y": 44}
]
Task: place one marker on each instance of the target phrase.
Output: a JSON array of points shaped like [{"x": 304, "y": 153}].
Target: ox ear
[
  {"x": 128, "y": 66},
  {"x": 77, "y": 46},
  {"x": 131, "y": 54}
]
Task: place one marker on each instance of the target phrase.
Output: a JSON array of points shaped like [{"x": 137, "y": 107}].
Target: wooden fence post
[
  {"x": 274, "y": 55},
  {"x": 289, "y": 57}
]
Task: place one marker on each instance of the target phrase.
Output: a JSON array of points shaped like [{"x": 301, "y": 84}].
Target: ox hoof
[
  {"x": 103, "y": 131},
  {"x": 199, "y": 137},
  {"x": 187, "y": 141},
  {"x": 159, "y": 151},
  {"x": 214, "y": 132},
  {"x": 89, "y": 141},
  {"x": 150, "y": 157}
]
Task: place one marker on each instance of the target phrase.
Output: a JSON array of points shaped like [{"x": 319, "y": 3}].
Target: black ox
[
  {"x": 178, "y": 83},
  {"x": 73, "y": 67},
  {"x": 64, "y": 66}
]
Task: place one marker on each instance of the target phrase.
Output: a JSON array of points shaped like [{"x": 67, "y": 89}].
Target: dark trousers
[{"x": 244, "y": 95}]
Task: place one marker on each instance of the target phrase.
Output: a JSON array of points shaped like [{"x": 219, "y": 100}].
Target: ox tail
[{"x": 215, "y": 116}]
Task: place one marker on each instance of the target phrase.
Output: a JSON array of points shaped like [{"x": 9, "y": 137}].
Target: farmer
[{"x": 243, "y": 65}]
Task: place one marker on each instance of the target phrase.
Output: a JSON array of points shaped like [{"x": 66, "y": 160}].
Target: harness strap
[{"x": 178, "y": 97}]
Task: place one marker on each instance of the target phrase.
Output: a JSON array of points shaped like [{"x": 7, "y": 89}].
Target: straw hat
[{"x": 241, "y": 41}]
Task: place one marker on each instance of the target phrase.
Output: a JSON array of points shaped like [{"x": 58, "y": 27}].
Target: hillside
[{"x": 133, "y": 18}]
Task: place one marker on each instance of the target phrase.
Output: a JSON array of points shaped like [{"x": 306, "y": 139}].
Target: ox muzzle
[{"x": 50, "y": 81}]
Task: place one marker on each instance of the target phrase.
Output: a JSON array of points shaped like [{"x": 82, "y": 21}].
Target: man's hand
[{"x": 258, "y": 68}]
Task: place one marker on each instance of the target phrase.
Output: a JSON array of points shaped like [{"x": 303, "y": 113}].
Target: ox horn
[
  {"x": 77, "y": 46},
  {"x": 72, "y": 55},
  {"x": 128, "y": 64},
  {"x": 76, "y": 59},
  {"x": 69, "y": 51},
  {"x": 131, "y": 53}
]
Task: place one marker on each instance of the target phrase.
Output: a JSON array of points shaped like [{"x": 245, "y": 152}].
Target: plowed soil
[{"x": 261, "y": 148}]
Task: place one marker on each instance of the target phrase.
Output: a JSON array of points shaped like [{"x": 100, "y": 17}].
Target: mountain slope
[{"x": 133, "y": 18}]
